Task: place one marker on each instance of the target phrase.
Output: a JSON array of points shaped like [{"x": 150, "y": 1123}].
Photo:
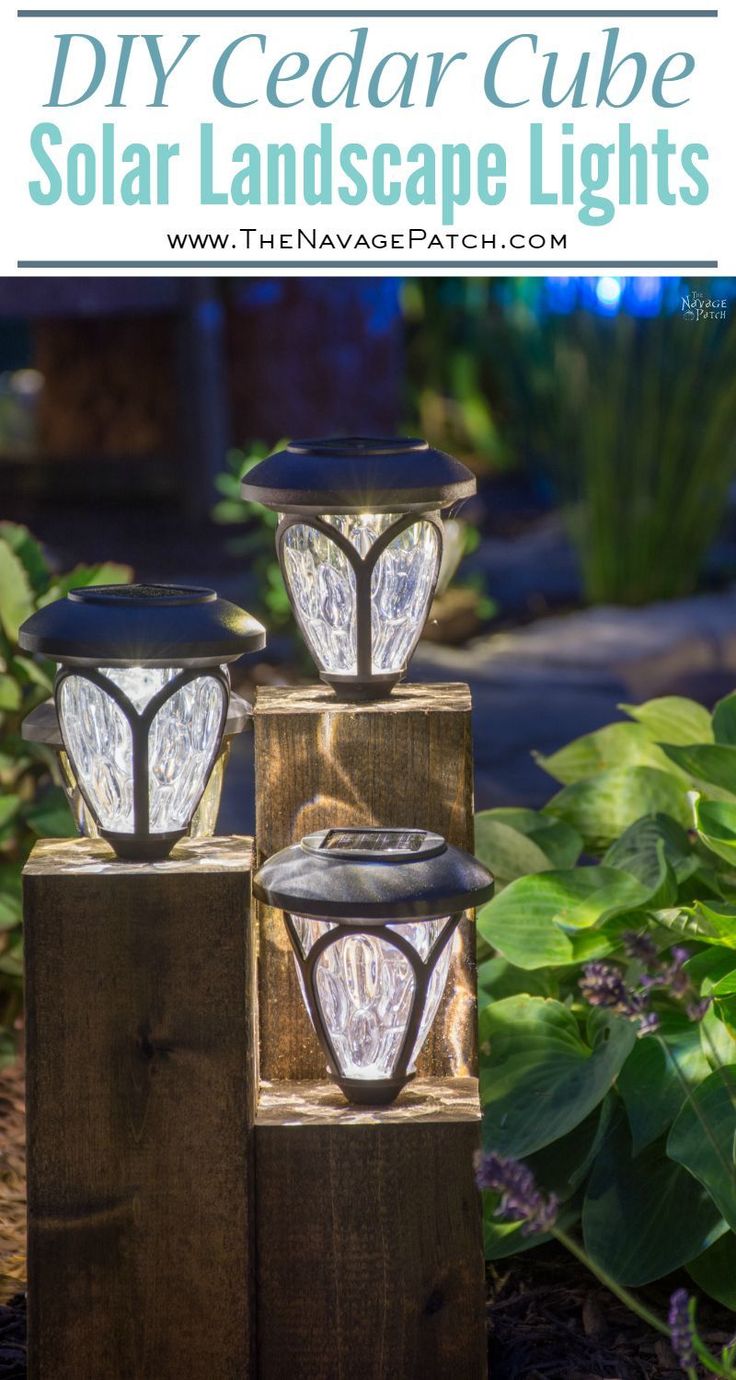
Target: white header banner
[{"x": 515, "y": 140}]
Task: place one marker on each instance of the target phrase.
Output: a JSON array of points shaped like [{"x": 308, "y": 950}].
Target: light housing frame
[
  {"x": 42, "y": 726},
  {"x": 183, "y": 628},
  {"x": 366, "y": 891},
  {"x": 312, "y": 480}
]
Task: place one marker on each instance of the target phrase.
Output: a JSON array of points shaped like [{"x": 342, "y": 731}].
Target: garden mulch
[{"x": 547, "y": 1319}]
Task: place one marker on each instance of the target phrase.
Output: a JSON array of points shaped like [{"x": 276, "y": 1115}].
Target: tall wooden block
[
  {"x": 140, "y": 1108},
  {"x": 406, "y": 760},
  {"x": 369, "y": 1250}
]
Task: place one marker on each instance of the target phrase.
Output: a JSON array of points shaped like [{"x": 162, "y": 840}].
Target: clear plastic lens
[
  {"x": 182, "y": 741},
  {"x": 365, "y": 988},
  {"x": 322, "y": 584}
]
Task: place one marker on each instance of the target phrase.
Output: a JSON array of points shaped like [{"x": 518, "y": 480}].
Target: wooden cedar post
[
  {"x": 368, "y": 1235},
  {"x": 140, "y": 1104}
]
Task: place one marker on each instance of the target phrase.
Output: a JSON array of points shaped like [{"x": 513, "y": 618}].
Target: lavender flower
[
  {"x": 681, "y": 1329},
  {"x": 696, "y": 1010},
  {"x": 521, "y": 1200},
  {"x": 641, "y": 947},
  {"x": 603, "y": 985}
]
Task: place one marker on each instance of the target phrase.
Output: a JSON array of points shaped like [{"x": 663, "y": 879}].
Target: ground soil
[{"x": 547, "y": 1319}]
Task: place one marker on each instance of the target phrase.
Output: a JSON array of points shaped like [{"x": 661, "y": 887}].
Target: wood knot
[
  {"x": 150, "y": 1048},
  {"x": 434, "y": 1302}
]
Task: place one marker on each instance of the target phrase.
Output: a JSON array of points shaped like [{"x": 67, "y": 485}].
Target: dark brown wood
[
  {"x": 368, "y": 1235},
  {"x": 406, "y": 760},
  {"x": 140, "y": 1104}
]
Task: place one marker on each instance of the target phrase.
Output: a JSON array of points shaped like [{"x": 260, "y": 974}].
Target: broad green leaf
[
  {"x": 10, "y": 694},
  {"x": 724, "y": 721},
  {"x": 719, "y": 923},
  {"x": 29, "y": 553},
  {"x": 560, "y": 844},
  {"x": 715, "y": 821},
  {"x": 560, "y": 1168},
  {"x": 617, "y": 745},
  {"x": 712, "y": 766},
  {"x": 11, "y": 910},
  {"x": 651, "y": 1081},
  {"x": 532, "y": 920},
  {"x": 715, "y": 1270},
  {"x": 640, "y": 848},
  {"x": 9, "y": 806},
  {"x": 702, "y": 1138},
  {"x": 84, "y": 575},
  {"x": 644, "y": 1217},
  {"x": 497, "y": 978},
  {"x": 726, "y": 987},
  {"x": 601, "y": 809},
  {"x": 16, "y": 596},
  {"x": 51, "y": 817},
  {"x": 508, "y": 853},
  {"x": 35, "y": 672},
  {"x": 709, "y": 966},
  {"x": 539, "y": 1079},
  {"x": 672, "y": 719}
]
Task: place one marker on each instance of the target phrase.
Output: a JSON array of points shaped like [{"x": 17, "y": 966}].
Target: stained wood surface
[
  {"x": 368, "y": 1236},
  {"x": 140, "y": 1101},
  {"x": 403, "y": 761}
]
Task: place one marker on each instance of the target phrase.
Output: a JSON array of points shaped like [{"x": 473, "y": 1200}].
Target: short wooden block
[
  {"x": 406, "y": 760},
  {"x": 368, "y": 1235},
  {"x": 140, "y": 1105}
]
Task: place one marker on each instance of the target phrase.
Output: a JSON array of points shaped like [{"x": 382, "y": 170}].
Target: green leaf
[
  {"x": 715, "y": 821},
  {"x": 507, "y": 852},
  {"x": 727, "y": 985},
  {"x": 710, "y": 765},
  {"x": 603, "y": 808},
  {"x": 539, "y": 1079},
  {"x": 10, "y": 695},
  {"x": 497, "y": 978},
  {"x": 50, "y": 817},
  {"x": 560, "y": 1169},
  {"x": 35, "y": 672},
  {"x": 651, "y": 1080},
  {"x": 617, "y": 745},
  {"x": 9, "y": 806},
  {"x": 724, "y": 721},
  {"x": 11, "y": 910},
  {"x": 560, "y": 844},
  {"x": 532, "y": 920},
  {"x": 720, "y": 924},
  {"x": 715, "y": 1270},
  {"x": 702, "y": 1139},
  {"x": 640, "y": 848},
  {"x": 672, "y": 719},
  {"x": 16, "y": 596},
  {"x": 28, "y": 551},
  {"x": 644, "y": 1217},
  {"x": 84, "y": 575}
]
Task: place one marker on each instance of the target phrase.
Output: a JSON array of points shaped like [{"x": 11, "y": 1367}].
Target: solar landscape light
[
  {"x": 142, "y": 693},
  {"x": 359, "y": 543},
  {"x": 42, "y": 726},
  {"x": 371, "y": 915}
]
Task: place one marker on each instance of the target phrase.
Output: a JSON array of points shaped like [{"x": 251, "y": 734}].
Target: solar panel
[{"x": 374, "y": 840}]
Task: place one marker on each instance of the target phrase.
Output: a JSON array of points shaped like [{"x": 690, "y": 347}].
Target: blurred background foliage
[{"x": 32, "y": 802}]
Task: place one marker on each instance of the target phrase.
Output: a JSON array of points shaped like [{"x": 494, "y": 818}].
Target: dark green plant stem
[{"x": 627, "y": 1298}]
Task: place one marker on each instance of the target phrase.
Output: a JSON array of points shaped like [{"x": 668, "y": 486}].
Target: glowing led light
[
  {"x": 142, "y": 694},
  {"x": 371, "y": 915},
  {"x": 360, "y": 543}
]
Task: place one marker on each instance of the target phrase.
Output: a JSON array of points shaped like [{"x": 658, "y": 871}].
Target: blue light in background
[{"x": 609, "y": 292}]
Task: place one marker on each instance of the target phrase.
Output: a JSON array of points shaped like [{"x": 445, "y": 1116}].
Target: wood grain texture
[
  {"x": 368, "y": 1236},
  {"x": 140, "y": 1105},
  {"x": 406, "y": 760}
]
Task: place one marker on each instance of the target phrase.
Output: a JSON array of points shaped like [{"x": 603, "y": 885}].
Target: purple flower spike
[
  {"x": 641, "y": 947},
  {"x": 521, "y": 1200},
  {"x": 681, "y": 1329}
]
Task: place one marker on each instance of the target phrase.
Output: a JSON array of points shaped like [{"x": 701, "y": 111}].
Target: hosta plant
[
  {"x": 608, "y": 996},
  {"x": 32, "y": 802}
]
